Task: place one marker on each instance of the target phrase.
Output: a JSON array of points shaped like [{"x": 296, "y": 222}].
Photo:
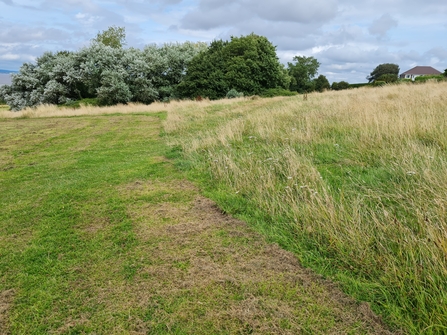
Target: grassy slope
[
  {"x": 100, "y": 234},
  {"x": 354, "y": 182}
]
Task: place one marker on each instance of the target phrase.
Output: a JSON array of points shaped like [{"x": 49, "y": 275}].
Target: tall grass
[
  {"x": 354, "y": 181},
  {"x": 53, "y": 110}
]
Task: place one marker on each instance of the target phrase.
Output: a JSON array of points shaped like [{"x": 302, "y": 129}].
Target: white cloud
[
  {"x": 87, "y": 19},
  {"x": 9, "y": 56}
]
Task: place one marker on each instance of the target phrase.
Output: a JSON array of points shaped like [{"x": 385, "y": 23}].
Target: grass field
[
  {"x": 101, "y": 234},
  {"x": 354, "y": 182}
]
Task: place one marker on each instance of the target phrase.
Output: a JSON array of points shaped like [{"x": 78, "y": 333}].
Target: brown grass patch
[
  {"x": 200, "y": 271},
  {"x": 6, "y": 299},
  {"x": 131, "y": 108},
  {"x": 206, "y": 267},
  {"x": 195, "y": 267}
]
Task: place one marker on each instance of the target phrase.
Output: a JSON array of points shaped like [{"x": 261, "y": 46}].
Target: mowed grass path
[{"x": 99, "y": 234}]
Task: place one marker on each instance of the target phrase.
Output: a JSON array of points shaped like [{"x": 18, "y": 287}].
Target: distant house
[{"x": 419, "y": 71}]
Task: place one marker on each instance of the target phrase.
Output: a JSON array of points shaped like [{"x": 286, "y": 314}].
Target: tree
[
  {"x": 445, "y": 73},
  {"x": 113, "y": 75},
  {"x": 383, "y": 69},
  {"x": 302, "y": 73},
  {"x": 321, "y": 83},
  {"x": 342, "y": 85},
  {"x": 114, "y": 88},
  {"x": 114, "y": 37},
  {"x": 206, "y": 74},
  {"x": 247, "y": 64},
  {"x": 388, "y": 78}
]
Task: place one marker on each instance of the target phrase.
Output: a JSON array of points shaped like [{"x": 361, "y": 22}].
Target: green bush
[
  {"x": 342, "y": 85},
  {"x": 358, "y": 85},
  {"x": 388, "y": 78},
  {"x": 231, "y": 94},
  {"x": 277, "y": 92},
  {"x": 423, "y": 79},
  {"x": 379, "y": 83}
]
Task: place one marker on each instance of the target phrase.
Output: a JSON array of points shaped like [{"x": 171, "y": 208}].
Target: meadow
[
  {"x": 101, "y": 233},
  {"x": 353, "y": 182}
]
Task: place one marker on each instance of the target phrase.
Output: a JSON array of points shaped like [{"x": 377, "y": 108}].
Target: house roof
[{"x": 421, "y": 70}]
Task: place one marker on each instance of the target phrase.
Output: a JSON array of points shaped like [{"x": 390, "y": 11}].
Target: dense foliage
[
  {"x": 111, "y": 74},
  {"x": 302, "y": 73},
  {"x": 322, "y": 84},
  {"x": 423, "y": 79},
  {"x": 277, "y": 92},
  {"x": 114, "y": 37},
  {"x": 388, "y": 78},
  {"x": 247, "y": 64},
  {"x": 107, "y": 72},
  {"x": 338, "y": 86},
  {"x": 383, "y": 69}
]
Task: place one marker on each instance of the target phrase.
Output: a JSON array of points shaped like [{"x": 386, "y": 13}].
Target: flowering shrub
[{"x": 110, "y": 74}]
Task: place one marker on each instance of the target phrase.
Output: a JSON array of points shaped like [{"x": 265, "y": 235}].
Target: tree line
[{"x": 109, "y": 73}]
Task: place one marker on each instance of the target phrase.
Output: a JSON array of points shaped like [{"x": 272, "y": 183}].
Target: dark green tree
[
  {"x": 321, "y": 83},
  {"x": 382, "y": 69},
  {"x": 388, "y": 78},
  {"x": 342, "y": 85},
  {"x": 302, "y": 73},
  {"x": 445, "y": 73},
  {"x": 205, "y": 75},
  {"x": 114, "y": 37},
  {"x": 247, "y": 64}
]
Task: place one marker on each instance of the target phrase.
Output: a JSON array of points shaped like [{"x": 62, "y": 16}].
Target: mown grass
[
  {"x": 354, "y": 182},
  {"x": 100, "y": 234},
  {"x": 58, "y": 182}
]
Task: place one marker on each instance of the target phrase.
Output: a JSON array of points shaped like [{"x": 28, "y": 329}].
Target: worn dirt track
[{"x": 259, "y": 287}]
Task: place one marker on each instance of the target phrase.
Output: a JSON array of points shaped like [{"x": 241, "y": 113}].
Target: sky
[{"x": 348, "y": 37}]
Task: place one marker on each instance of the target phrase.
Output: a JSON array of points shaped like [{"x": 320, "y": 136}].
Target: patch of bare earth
[{"x": 6, "y": 298}]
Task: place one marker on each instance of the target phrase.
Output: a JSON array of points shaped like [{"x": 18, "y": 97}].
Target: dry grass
[
  {"x": 6, "y": 299},
  {"x": 131, "y": 108},
  {"x": 212, "y": 270},
  {"x": 361, "y": 173}
]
